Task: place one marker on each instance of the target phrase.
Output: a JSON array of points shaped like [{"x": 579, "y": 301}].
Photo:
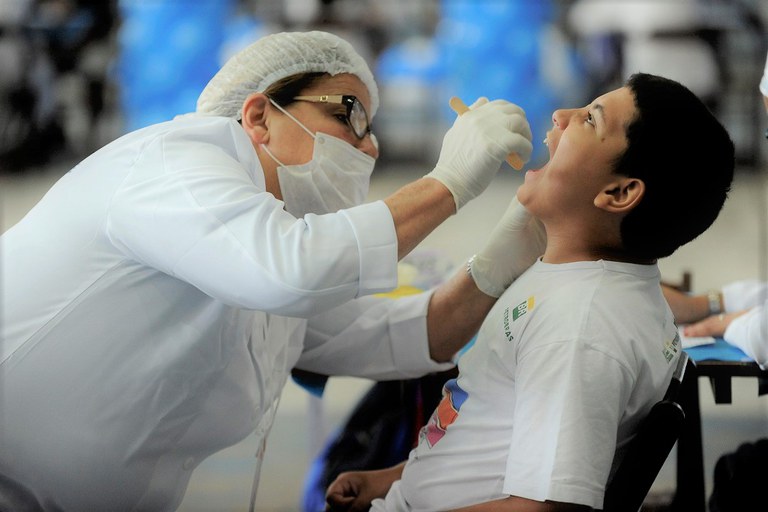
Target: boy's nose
[{"x": 561, "y": 117}]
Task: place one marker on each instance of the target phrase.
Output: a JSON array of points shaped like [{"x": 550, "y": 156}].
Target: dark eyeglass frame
[{"x": 351, "y": 103}]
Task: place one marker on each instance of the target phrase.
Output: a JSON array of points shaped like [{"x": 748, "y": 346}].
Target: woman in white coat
[{"x": 155, "y": 300}]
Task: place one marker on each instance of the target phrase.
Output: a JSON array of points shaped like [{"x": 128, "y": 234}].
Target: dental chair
[{"x": 650, "y": 447}]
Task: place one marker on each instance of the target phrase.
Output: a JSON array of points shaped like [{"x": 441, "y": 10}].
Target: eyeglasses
[{"x": 357, "y": 117}]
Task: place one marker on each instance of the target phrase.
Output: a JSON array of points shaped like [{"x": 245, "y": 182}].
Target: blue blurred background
[
  {"x": 169, "y": 50},
  {"x": 79, "y": 73}
]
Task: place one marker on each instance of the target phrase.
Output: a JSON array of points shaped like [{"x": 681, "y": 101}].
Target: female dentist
[{"x": 155, "y": 300}]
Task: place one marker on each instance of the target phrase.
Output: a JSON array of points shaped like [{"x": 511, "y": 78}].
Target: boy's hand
[{"x": 354, "y": 491}]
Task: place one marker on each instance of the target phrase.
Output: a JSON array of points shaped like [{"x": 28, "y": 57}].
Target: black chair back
[{"x": 649, "y": 449}]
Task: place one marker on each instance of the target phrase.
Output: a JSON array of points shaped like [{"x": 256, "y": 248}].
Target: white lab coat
[
  {"x": 749, "y": 331},
  {"x": 154, "y": 302}
]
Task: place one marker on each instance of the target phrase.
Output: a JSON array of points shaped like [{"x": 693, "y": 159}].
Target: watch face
[{"x": 715, "y": 306}]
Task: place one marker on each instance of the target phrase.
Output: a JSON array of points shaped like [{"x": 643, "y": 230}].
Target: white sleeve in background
[
  {"x": 375, "y": 337},
  {"x": 764, "y": 81},
  {"x": 746, "y": 294},
  {"x": 749, "y": 332}
]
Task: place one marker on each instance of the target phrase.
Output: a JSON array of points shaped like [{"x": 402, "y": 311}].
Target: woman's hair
[
  {"x": 284, "y": 90},
  {"x": 684, "y": 156}
]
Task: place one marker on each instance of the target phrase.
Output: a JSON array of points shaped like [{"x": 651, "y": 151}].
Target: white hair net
[{"x": 277, "y": 56}]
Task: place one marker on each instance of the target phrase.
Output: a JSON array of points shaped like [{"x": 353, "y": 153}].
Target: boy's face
[{"x": 583, "y": 146}]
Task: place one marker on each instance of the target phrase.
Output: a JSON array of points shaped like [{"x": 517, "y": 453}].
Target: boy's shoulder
[
  {"x": 585, "y": 280},
  {"x": 580, "y": 299}
]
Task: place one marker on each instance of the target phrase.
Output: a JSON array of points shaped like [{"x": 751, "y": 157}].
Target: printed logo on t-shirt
[
  {"x": 446, "y": 413},
  {"x": 507, "y": 328},
  {"x": 522, "y": 308},
  {"x": 517, "y": 312},
  {"x": 671, "y": 348}
]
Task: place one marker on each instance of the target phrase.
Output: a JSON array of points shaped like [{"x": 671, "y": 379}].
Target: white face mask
[{"x": 337, "y": 177}]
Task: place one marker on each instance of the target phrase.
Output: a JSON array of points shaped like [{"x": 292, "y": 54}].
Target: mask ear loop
[
  {"x": 281, "y": 109},
  {"x": 273, "y": 157}
]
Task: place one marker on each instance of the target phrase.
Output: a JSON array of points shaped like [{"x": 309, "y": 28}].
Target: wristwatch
[{"x": 713, "y": 300}]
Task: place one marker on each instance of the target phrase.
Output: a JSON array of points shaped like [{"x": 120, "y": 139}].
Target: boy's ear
[
  {"x": 254, "y": 117},
  {"x": 621, "y": 196}
]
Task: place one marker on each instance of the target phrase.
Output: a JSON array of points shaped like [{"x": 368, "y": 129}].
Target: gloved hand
[
  {"x": 515, "y": 243},
  {"x": 477, "y": 143}
]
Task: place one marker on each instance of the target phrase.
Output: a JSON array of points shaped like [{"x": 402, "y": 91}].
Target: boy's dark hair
[{"x": 684, "y": 156}]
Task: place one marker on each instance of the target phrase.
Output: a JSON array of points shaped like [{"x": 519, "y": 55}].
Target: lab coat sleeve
[
  {"x": 375, "y": 337},
  {"x": 191, "y": 209},
  {"x": 744, "y": 294},
  {"x": 749, "y": 332}
]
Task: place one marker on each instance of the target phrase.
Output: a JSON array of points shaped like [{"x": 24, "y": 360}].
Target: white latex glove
[
  {"x": 515, "y": 243},
  {"x": 476, "y": 145}
]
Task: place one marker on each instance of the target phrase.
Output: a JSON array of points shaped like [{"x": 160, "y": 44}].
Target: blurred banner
[
  {"x": 168, "y": 52},
  {"x": 494, "y": 49},
  {"x": 501, "y": 49}
]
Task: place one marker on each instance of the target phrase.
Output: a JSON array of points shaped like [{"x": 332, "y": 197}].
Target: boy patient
[{"x": 577, "y": 350}]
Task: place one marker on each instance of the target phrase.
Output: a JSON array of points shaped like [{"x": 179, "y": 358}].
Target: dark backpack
[
  {"x": 740, "y": 479},
  {"x": 379, "y": 433}
]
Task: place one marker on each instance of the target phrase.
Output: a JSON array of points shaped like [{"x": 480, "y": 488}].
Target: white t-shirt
[
  {"x": 154, "y": 302},
  {"x": 565, "y": 366}
]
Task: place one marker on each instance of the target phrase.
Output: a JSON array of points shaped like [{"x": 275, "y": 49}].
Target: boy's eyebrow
[{"x": 597, "y": 107}]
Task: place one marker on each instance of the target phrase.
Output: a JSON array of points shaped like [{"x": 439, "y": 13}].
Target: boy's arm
[
  {"x": 354, "y": 491},
  {"x": 518, "y": 504}
]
